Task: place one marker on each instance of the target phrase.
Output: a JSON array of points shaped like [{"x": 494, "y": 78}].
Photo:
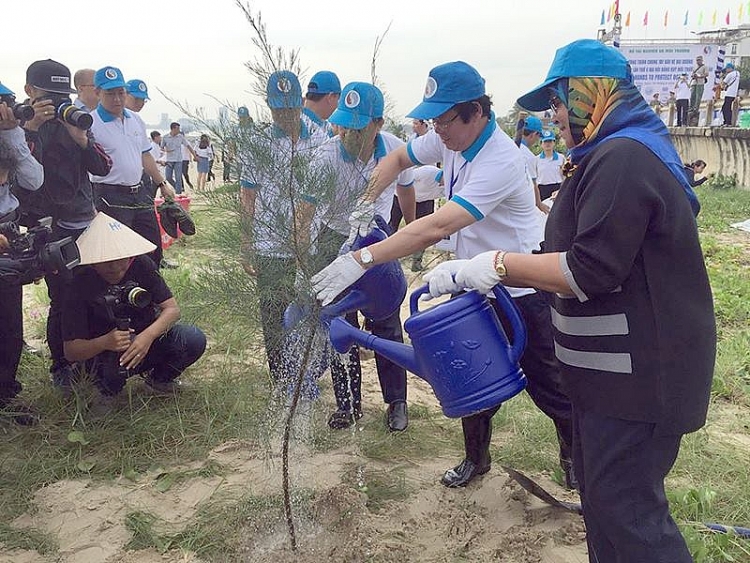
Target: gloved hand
[
  {"x": 479, "y": 273},
  {"x": 336, "y": 277},
  {"x": 442, "y": 278},
  {"x": 360, "y": 220}
]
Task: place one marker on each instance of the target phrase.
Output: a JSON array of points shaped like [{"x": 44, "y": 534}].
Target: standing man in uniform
[
  {"x": 68, "y": 155},
  {"x": 490, "y": 204},
  {"x": 530, "y": 134},
  {"x": 352, "y": 157},
  {"x": 122, "y": 133},
  {"x": 323, "y": 92},
  {"x": 173, "y": 143},
  {"x": 698, "y": 80},
  {"x": 730, "y": 84}
]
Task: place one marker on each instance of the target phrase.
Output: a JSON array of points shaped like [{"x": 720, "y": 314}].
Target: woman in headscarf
[{"x": 632, "y": 309}]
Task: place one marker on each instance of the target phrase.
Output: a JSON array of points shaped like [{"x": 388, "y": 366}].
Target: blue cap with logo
[
  {"x": 108, "y": 78},
  {"x": 548, "y": 135},
  {"x": 582, "y": 58},
  {"x": 324, "y": 82},
  {"x": 283, "y": 90},
  {"x": 533, "y": 123},
  {"x": 137, "y": 88},
  {"x": 729, "y": 66},
  {"x": 5, "y": 91},
  {"x": 447, "y": 85},
  {"x": 359, "y": 104},
  {"x": 242, "y": 111}
]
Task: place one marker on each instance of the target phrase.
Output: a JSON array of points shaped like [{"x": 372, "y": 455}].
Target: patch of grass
[
  {"x": 720, "y": 208},
  {"x": 380, "y": 485},
  {"x": 27, "y": 539}
]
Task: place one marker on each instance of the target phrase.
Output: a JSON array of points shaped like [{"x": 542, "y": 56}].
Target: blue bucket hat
[
  {"x": 548, "y": 135},
  {"x": 283, "y": 90},
  {"x": 108, "y": 78},
  {"x": 585, "y": 57},
  {"x": 533, "y": 123},
  {"x": 324, "y": 82},
  {"x": 447, "y": 85},
  {"x": 137, "y": 88},
  {"x": 359, "y": 104},
  {"x": 5, "y": 91}
]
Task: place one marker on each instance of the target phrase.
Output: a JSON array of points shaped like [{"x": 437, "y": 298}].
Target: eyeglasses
[
  {"x": 443, "y": 124},
  {"x": 555, "y": 103}
]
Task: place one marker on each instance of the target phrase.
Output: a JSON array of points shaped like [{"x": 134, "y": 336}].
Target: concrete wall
[{"x": 726, "y": 150}]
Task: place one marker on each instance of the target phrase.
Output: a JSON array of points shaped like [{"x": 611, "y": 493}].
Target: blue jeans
[
  {"x": 173, "y": 172},
  {"x": 168, "y": 357}
]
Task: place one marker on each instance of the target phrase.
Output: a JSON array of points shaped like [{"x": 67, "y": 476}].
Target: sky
[{"x": 195, "y": 51}]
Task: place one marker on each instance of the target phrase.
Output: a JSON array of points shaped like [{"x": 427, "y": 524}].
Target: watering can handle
[
  {"x": 516, "y": 322},
  {"x": 414, "y": 299}
]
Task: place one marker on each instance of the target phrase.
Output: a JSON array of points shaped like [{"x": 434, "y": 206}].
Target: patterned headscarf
[{"x": 602, "y": 108}]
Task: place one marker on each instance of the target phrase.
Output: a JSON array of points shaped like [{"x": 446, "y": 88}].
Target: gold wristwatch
[{"x": 499, "y": 264}]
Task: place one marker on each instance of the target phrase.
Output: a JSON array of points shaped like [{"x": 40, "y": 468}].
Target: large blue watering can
[{"x": 459, "y": 348}]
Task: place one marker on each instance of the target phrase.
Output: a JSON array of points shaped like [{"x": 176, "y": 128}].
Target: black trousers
[
  {"x": 546, "y": 190},
  {"x": 11, "y": 338},
  {"x": 57, "y": 286},
  {"x": 347, "y": 374},
  {"x": 136, "y": 210},
  {"x": 621, "y": 466},
  {"x": 424, "y": 208},
  {"x": 682, "y": 112},
  {"x": 726, "y": 109},
  {"x": 543, "y": 382}
]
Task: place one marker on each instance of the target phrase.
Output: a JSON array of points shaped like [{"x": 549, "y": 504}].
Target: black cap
[{"x": 49, "y": 76}]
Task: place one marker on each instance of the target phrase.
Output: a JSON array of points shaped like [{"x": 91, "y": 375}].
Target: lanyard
[{"x": 454, "y": 177}]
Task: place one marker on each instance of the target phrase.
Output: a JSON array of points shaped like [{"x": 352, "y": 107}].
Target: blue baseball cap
[
  {"x": 5, "y": 91},
  {"x": 283, "y": 90},
  {"x": 548, "y": 135},
  {"x": 324, "y": 82},
  {"x": 447, "y": 85},
  {"x": 242, "y": 111},
  {"x": 729, "y": 65},
  {"x": 108, "y": 78},
  {"x": 359, "y": 104},
  {"x": 533, "y": 123},
  {"x": 137, "y": 88},
  {"x": 585, "y": 57}
]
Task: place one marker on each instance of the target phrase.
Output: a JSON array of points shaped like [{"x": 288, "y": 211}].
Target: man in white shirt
[
  {"x": 491, "y": 205},
  {"x": 530, "y": 134},
  {"x": 322, "y": 95},
  {"x": 83, "y": 80},
  {"x": 730, "y": 84}
]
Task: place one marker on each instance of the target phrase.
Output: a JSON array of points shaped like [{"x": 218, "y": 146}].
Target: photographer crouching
[
  {"x": 120, "y": 318},
  {"x": 60, "y": 139},
  {"x": 19, "y": 168}
]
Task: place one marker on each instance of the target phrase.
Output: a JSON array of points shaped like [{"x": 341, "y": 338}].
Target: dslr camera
[
  {"x": 129, "y": 294},
  {"x": 30, "y": 255},
  {"x": 22, "y": 112},
  {"x": 66, "y": 111}
]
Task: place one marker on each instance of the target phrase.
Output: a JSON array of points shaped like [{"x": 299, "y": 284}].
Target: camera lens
[
  {"x": 71, "y": 114},
  {"x": 139, "y": 297},
  {"x": 23, "y": 112}
]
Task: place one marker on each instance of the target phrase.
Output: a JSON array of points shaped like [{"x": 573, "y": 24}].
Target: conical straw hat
[{"x": 107, "y": 239}]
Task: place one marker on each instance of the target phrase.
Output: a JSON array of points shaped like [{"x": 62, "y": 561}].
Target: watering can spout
[{"x": 343, "y": 336}]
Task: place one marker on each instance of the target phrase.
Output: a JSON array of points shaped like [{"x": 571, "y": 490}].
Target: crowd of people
[{"x": 597, "y": 245}]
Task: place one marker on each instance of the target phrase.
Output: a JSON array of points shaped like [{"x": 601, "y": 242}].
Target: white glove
[
  {"x": 336, "y": 277},
  {"x": 360, "y": 220},
  {"x": 442, "y": 278},
  {"x": 479, "y": 273}
]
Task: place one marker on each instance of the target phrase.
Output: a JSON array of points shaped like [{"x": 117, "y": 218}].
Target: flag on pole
[
  {"x": 666, "y": 17},
  {"x": 617, "y": 6},
  {"x": 686, "y": 17},
  {"x": 700, "y": 17},
  {"x": 713, "y": 18},
  {"x": 602, "y": 22},
  {"x": 645, "y": 18},
  {"x": 727, "y": 18},
  {"x": 609, "y": 13},
  {"x": 739, "y": 17},
  {"x": 627, "y": 20}
]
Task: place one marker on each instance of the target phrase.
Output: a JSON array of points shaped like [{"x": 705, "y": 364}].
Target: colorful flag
[
  {"x": 713, "y": 18},
  {"x": 645, "y": 18},
  {"x": 609, "y": 14},
  {"x": 727, "y": 18},
  {"x": 739, "y": 17},
  {"x": 666, "y": 17},
  {"x": 686, "y": 17},
  {"x": 627, "y": 20},
  {"x": 602, "y": 22},
  {"x": 617, "y": 6},
  {"x": 700, "y": 17}
]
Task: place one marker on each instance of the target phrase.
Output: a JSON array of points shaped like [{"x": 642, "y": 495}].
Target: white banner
[{"x": 656, "y": 67}]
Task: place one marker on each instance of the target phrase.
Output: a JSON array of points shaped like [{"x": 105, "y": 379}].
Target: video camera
[
  {"x": 30, "y": 256},
  {"x": 118, "y": 297},
  {"x": 65, "y": 110},
  {"x": 22, "y": 112}
]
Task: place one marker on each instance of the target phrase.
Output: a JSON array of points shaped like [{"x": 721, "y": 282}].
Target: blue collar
[
  {"x": 314, "y": 117},
  {"x": 554, "y": 155},
  {"x": 380, "y": 150},
  {"x": 107, "y": 117},
  {"x": 480, "y": 141},
  {"x": 278, "y": 133}
]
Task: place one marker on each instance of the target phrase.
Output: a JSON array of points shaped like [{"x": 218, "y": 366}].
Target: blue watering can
[
  {"x": 378, "y": 293},
  {"x": 459, "y": 348}
]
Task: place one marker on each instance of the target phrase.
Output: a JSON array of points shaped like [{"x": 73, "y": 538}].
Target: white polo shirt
[
  {"x": 352, "y": 177},
  {"x": 531, "y": 161},
  {"x": 489, "y": 180},
  {"x": 549, "y": 170},
  {"x": 280, "y": 173},
  {"x": 125, "y": 141},
  {"x": 315, "y": 123}
]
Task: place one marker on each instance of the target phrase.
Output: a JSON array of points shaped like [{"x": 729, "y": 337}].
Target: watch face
[{"x": 366, "y": 255}]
